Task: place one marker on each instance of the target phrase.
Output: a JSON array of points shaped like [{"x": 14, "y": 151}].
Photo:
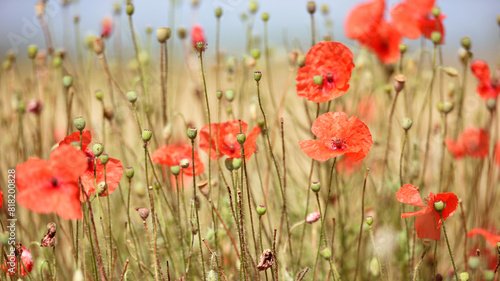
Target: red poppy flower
[
  {"x": 487, "y": 88},
  {"x": 413, "y": 18},
  {"x": 384, "y": 42},
  {"x": 106, "y": 27},
  {"x": 227, "y": 143},
  {"x": 26, "y": 266},
  {"x": 171, "y": 155},
  {"x": 491, "y": 238},
  {"x": 428, "y": 221},
  {"x": 52, "y": 186},
  {"x": 114, "y": 168},
  {"x": 337, "y": 136},
  {"x": 364, "y": 19},
  {"x": 334, "y": 63},
  {"x": 197, "y": 35},
  {"x": 472, "y": 142}
]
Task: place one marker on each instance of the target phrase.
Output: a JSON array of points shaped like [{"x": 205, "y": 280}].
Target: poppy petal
[
  {"x": 490, "y": 237},
  {"x": 427, "y": 228},
  {"x": 451, "y": 203},
  {"x": 408, "y": 194},
  {"x": 86, "y": 139},
  {"x": 363, "y": 18},
  {"x": 316, "y": 150},
  {"x": 69, "y": 162}
]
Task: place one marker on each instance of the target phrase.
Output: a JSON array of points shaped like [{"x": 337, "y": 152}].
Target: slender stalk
[
  {"x": 151, "y": 200},
  {"x": 361, "y": 225},
  {"x": 141, "y": 70},
  {"x": 417, "y": 268},
  {"x": 389, "y": 131},
  {"x": 196, "y": 210},
  {"x": 164, "y": 69},
  {"x": 449, "y": 248}
]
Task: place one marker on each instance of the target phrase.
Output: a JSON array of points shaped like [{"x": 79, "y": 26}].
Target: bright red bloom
[
  {"x": 114, "y": 168},
  {"x": 197, "y": 35},
  {"x": 487, "y": 87},
  {"x": 428, "y": 221},
  {"x": 52, "y": 186},
  {"x": 366, "y": 24},
  {"x": 413, "y": 18},
  {"x": 106, "y": 27},
  {"x": 226, "y": 139},
  {"x": 364, "y": 19},
  {"x": 334, "y": 63},
  {"x": 337, "y": 136},
  {"x": 171, "y": 155},
  {"x": 491, "y": 238},
  {"x": 27, "y": 264},
  {"x": 472, "y": 142}
]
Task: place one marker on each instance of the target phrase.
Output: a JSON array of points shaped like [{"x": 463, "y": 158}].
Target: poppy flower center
[
  {"x": 230, "y": 147},
  {"x": 329, "y": 77},
  {"x": 338, "y": 144},
  {"x": 90, "y": 160},
  {"x": 54, "y": 182}
]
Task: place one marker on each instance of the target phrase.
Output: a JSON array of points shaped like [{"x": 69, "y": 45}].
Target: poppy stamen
[
  {"x": 338, "y": 144},
  {"x": 54, "y": 182},
  {"x": 329, "y": 77}
]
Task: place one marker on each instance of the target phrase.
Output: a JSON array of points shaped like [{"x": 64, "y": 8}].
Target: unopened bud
[
  {"x": 265, "y": 17},
  {"x": 466, "y": 43},
  {"x": 32, "y": 51},
  {"x": 318, "y": 80},
  {"x": 436, "y": 11},
  {"x": 99, "y": 95},
  {"x": 436, "y": 37},
  {"x": 301, "y": 60},
  {"x": 218, "y": 94},
  {"x": 313, "y": 217},
  {"x": 369, "y": 220},
  {"x": 326, "y": 253},
  {"x": 261, "y": 210},
  {"x": 489, "y": 275},
  {"x": 175, "y": 170},
  {"x": 257, "y": 75},
  {"x": 218, "y": 12}
]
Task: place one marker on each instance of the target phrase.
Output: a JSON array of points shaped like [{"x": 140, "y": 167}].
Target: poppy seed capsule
[
  {"x": 491, "y": 104},
  {"x": 265, "y": 17},
  {"x": 257, "y": 75},
  {"x": 67, "y": 81},
  {"x": 237, "y": 163},
  {"x": 318, "y": 80},
  {"x": 464, "y": 276},
  {"x": 399, "y": 83},
  {"x": 407, "y": 123},
  {"x": 218, "y": 12},
  {"x": 326, "y": 253},
  {"x": 436, "y": 37},
  {"x": 163, "y": 34},
  {"x": 439, "y": 206},
  {"x": 101, "y": 188},
  {"x": 143, "y": 212},
  {"x": 436, "y": 11},
  {"x": 129, "y": 172},
  {"x": 130, "y": 9},
  {"x": 132, "y": 96},
  {"x": 315, "y": 186},
  {"x": 97, "y": 149},
  {"x": 184, "y": 163},
  {"x": 175, "y": 170},
  {"x": 146, "y": 135},
  {"x": 261, "y": 210},
  {"x": 230, "y": 95},
  {"x": 325, "y": 9},
  {"x": 489, "y": 275},
  {"x": 466, "y": 43},
  {"x": 218, "y": 94},
  {"x": 445, "y": 107},
  {"x": 99, "y": 95},
  {"x": 253, "y": 6},
  {"x": 311, "y": 7},
  {"x": 241, "y": 138},
  {"x": 182, "y": 32},
  {"x": 204, "y": 188},
  {"x": 200, "y": 46},
  {"x": 79, "y": 123},
  {"x": 402, "y": 48},
  {"x": 104, "y": 159},
  {"x": 369, "y": 220},
  {"x": 32, "y": 51},
  {"x": 474, "y": 262},
  {"x": 192, "y": 132}
]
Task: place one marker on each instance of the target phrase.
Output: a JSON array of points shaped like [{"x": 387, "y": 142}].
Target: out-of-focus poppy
[
  {"x": 471, "y": 142},
  {"x": 197, "y": 35},
  {"x": 106, "y": 27},
  {"x": 326, "y": 73},
  {"x": 428, "y": 221},
  {"x": 52, "y": 186},
  {"x": 490, "y": 237},
  {"x": 487, "y": 88},
  {"x": 26, "y": 265},
  {"x": 337, "y": 136},
  {"x": 172, "y": 155}
]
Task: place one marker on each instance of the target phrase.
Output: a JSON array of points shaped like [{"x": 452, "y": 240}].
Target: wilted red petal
[
  {"x": 106, "y": 27},
  {"x": 204, "y": 140},
  {"x": 408, "y": 194},
  {"x": 490, "y": 237},
  {"x": 481, "y": 70},
  {"x": 456, "y": 149}
]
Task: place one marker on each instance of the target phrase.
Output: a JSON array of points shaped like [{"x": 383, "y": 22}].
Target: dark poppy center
[
  {"x": 90, "y": 160},
  {"x": 54, "y": 182},
  {"x": 338, "y": 143},
  {"x": 329, "y": 77}
]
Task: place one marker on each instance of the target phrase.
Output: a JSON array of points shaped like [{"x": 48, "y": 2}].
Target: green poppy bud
[
  {"x": 175, "y": 170},
  {"x": 79, "y": 123},
  {"x": 369, "y": 220},
  {"x": 97, "y": 149},
  {"x": 257, "y": 75},
  {"x": 315, "y": 186},
  {"x": 261, "y": 210},
  {"x": 146, "y": 135},
  {"x": 237, "y": 163},
  {"x": 132, "y": 96},
  {"x": 104, "y": 159},
  {"x": 129, "y": 172},
  {"x": 192, "y": 132},
  {"x": 241, "y": 138}
]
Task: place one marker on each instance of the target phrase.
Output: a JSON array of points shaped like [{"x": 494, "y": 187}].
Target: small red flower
[
  {"x": 413, "y": 18},
  {"x": 487, "y": 87},
  {"x": 197, "y": 35},
  {"x": 106, "y": 27},
  {"x": 26, "y": 266},
  {"x": 226, "y": 139},
  {"x": 334, "y": 63},
  {"x": 114, "y": 168},
  {"x": 490, "y": 237},
  {"x": 171, "y": 155},
  {"x": 472, "y": 142},
  {"x": 337, "y": 136},
  {"x": 428, "y": 221},
  {"x": 52, "y": 186}
]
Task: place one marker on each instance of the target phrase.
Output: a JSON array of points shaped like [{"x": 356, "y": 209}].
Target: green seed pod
[
  {"x": 464, "y": 276},
  {"x": 315, "y": 186},
  {"x": 326, "y": 253},
  {"x": 436, "y": 37},
  {"x": 67, "y": 81},
  {"x": 130, "y": 9},
  {"x": 218, "y": 12},
  {"x": 369, "y": 220},
  {"x": 146, "y": 135},
  {"x": 241, "y": 138},
  {"x": 439, "y": 206},
  {"x": 129, "y": 172},
  {"x": 175, "y": 170},
  {"x": 237, "y": 163},
  {"x": 256, "y": 53},
  {"x": 253, "y": 6},
  {"x": 261, "y": 210},
  {"x": 32, "y": 51},
  {"x": 97, "y": 149},
  {"x": 184, "y": 163},
  {"x": 132, "y": 96},
  {"x": 265, "y": 17},
  {"x": 192, "y": 132},
  {"x": 257, "y": 75},
  {"x": 466, "y": 43},
  {"x": 218, "y": 94},
  {"x": 402, "y": 48},
  {"x": 229, "y": 164},
  {"x": 407, "y": 123},
  {"x": 99, "y": 95},
  {"x": 79, "y": 123},
  {"x": 230, "y": 95},
  {"x": 318, "y": 80},
  {"x": 104, "y": 159}
]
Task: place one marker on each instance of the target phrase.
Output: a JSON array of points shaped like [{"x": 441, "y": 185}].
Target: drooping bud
[
  {"x": 192, "y": 132},
  {"x": 146, "y": 135},
  {"x": 143, "y": 212},
  {"x": 79, "y": 123},
  {"x": 313, "y": 217},
  {"x": 97, "y": 149}
]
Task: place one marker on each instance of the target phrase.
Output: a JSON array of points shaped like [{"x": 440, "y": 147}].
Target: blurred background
[{"x": 289, "y": 22}]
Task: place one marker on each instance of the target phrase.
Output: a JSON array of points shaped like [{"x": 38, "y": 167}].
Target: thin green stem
[{"x": 449, "y": 248}]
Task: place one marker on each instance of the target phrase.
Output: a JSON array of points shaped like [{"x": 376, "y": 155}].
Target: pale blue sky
[{"x": 476, "y": 19}]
